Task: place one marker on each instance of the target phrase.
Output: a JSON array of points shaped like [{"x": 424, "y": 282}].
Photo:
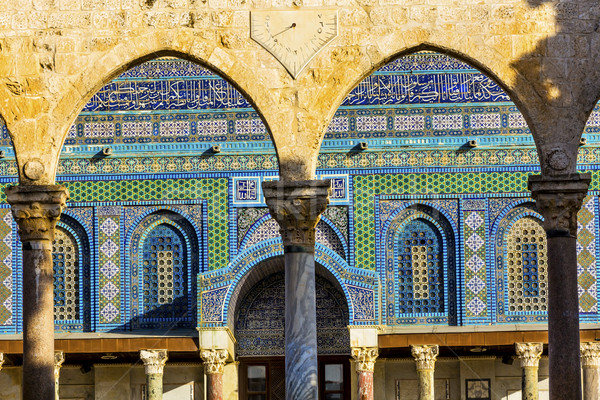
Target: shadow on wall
[{"x": 566, "y": 79}]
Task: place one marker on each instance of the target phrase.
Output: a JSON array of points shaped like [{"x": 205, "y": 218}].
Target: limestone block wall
[{"x": 54, "y": 54}]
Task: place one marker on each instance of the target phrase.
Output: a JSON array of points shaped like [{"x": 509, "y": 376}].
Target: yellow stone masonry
[{"x": 54, "y": 54}]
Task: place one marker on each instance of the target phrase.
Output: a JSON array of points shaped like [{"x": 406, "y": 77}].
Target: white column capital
[
  {"x": 590, "y": 354},
  {"x": 425, "y": 355},
  {"x": 364, "y": 358},
  {"x": 529, "y": 353},
  {"x": 214, "y": 360},
  {"x": 154, "y": 360},
  {"x": 1, "y": 360}
]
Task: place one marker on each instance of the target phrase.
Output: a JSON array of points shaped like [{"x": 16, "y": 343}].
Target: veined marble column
[
  {"x": 297, "y": 207},
  {"x": 364, "y": 359},
  {"x": 37, "y": 209},
  {"x": 559, "y": 198},
  {"x": 154, "y": 363},
  {"x": 59, "y": 359},
  {"x": 214, "y": 365},
  {"x": 425, "y": 356},
  {"x": 590, "y": 361},
  {"x": 529, "y": 354}
]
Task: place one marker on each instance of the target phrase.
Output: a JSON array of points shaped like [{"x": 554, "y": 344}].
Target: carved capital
[
  {"x": 559, "y": 198},
  {"x": 425, "y": 355},
  {"x": 529, "y": 353},
  {"x": 37, "y": 209},
  {"x": 364, "y": 358},
  {"x": 214, "y": 360},
  {"x": 590, "y": 354},
  {"x": 297, "y": 207},
  {"x": 59, "y": 359},
  {"x": 1, "y": 360},
  {"x": 154, "y": 360}
]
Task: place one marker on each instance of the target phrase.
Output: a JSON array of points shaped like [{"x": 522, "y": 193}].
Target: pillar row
[
  {"x": 364, "y": 360},
  {"x": 154, "y": 364},
  {"x": 37, "y": 209},
  {"x": 590, "y": 361},
  {"x": 214, "y": 366},
  {"x": 558, "y": 198},
  {"x": 425, "y": 356},
  {"x": 529, "y": 354},
  {"x": 297, "y": 207}
]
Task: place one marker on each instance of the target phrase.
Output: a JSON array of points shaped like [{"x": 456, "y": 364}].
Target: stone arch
[
  {"x": 135, "y": 243},
  {"x": 490, "y": 64},
  {"x": 268, "y": 275},
  {"x": 70, "y": 228},
  {"x": 245, "y": 274},
  {"x": 126, "y": 55}
]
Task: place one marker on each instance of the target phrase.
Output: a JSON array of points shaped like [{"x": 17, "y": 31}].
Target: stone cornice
[
  {"x": 37, "y": 209},
  {"x": 297, "y": 207},
  {"x": 425, "y": 355},
  {"x": 559, "y": 198},
  {"x": 364, "y": 358},
  {"x": 529, "y": 353},
  {"x": 214, "y": 360},
  {"x": 154, "y": 360}
]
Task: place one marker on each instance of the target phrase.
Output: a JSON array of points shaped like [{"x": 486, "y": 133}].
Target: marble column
[
  {"x": 558, "y": 199},
  {"x": 59, "y": 359},
  {"x": 529, "y": 354},
  {"x": 590, "y": 361},
  {"x": 425, "y": 356},
  {"x": 364, "y": 359},
  {"x": 154, "y": 363},
  {"x": 297, "y": 207},
  {"x": 214, "y": 365},
  {"x": 36, "y": 209}
]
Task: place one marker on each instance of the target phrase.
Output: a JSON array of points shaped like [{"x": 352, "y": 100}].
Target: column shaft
[
  {"x": 529, "y": 383},
  {"x": 426, "y": 384},
  {"x": 38, "y": 323},
  {"x": 297, "y": 207},
  {"x": 301, "y": 366},
  {"x": 590, "y": 383},
  {"x": 214, "y": 387},
  {"x": 563, "y": 319},
  {"x": 365, "y": 385},
  {"x": 154, "y": 386},
  {"x": 559, "y": 198},
  {"x": 36, "y": 209}
]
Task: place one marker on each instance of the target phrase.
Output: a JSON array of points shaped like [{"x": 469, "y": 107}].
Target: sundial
[{"x": 293, "y": 37}]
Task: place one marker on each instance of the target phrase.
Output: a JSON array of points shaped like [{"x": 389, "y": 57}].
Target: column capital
[
  {"x": 297, "y": 207},
  {"x": 154, "y": 360},
  {"x": 214, "y": 360},
  {"x": 425, "y": 355},
  {"x": 1, "y": 360},
  {"x": 364, "y": 358},
  {"x": 529, "y": 353},
  {"x": 59, "y": 359},
  {"x": 559, "y": 198},
  {"x": 590, "y": 354},
  {"x": 37, "y": 209}
]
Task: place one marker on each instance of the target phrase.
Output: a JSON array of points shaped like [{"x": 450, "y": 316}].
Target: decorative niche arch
[
  {"x": 259, "y": 313},
  {"x": 521, "y": 266},
  {"x": 164, "y": 264},
  {"x": 71, "y": 269},
  {"x": 419, "y": 268}
]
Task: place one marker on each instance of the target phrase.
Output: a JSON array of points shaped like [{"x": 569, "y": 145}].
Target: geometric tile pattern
[
  {"x": 6, "y": 267},
  {"x": 475, "y": 276},
  {"x": 109, "y": 264},
  {"x": 586, "y": 256},
  {"x": 366, "y": 187},
  {"x": 65, "y": 256}
]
